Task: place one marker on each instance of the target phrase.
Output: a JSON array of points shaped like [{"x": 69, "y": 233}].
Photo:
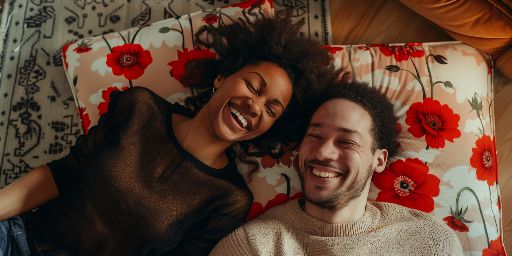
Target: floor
[{"x": 382, "y": 21}]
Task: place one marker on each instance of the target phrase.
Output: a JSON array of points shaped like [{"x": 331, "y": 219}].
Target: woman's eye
[
  {"x": 251, "y": 87},
  {"x": 271, "y": 112}
]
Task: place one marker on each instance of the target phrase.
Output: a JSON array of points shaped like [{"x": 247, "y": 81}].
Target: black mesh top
[{"x": 129, "y": 188}]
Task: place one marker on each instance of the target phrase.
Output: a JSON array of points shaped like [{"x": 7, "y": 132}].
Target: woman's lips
[{"x": 239, "y": 118}]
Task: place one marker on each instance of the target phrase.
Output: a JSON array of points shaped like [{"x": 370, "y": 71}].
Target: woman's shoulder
[
  {"x": 139, "y": 94},
  {"x": 136, "y": 103},
  {"x": 138, "y": 98}
]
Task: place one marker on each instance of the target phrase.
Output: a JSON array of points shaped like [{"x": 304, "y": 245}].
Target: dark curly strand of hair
[
  {"x": 275, "y": 40},
  {"x": 376, "y": 104}
]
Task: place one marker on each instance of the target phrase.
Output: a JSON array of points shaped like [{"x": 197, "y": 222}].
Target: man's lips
[{"x": 324, "y": 172}]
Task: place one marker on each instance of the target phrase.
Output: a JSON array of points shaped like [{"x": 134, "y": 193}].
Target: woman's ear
[{"x": 218, "y": 81}]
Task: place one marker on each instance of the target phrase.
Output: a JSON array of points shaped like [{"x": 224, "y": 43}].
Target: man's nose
[{"x": 327, "y": 151}]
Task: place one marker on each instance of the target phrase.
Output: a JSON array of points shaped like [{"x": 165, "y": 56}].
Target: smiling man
[{"x": 351, "y": 135}]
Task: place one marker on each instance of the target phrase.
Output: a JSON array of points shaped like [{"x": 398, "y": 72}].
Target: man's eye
[
  {"x": 313, "y": 136},
  {"x": 347, "y": 143}
]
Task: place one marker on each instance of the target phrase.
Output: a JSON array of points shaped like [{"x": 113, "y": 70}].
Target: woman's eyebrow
[
  {"x": 277, "y": 102},
  {"x": 262, "y": 80},
  {"x": 264, "y": 84}
]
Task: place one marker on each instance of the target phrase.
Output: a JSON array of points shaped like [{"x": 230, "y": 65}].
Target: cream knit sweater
[{"x": 385, "y": 229}]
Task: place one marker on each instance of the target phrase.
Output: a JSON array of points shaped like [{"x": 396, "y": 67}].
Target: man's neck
[{"x": 351, "y": 212}]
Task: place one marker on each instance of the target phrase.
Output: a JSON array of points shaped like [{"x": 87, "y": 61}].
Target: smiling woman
[
  {"x": 256, "y": 96},
  {"x": 157, "y": 178}
]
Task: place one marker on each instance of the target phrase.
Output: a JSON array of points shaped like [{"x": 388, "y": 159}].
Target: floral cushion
[
  {"x": 446, "y": 163},
  {"x": 153, "y": 56},
  {"x": 442, "y": 94}
]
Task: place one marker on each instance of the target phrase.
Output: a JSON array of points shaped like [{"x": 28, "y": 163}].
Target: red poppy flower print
[
  {"x": 86, "y": 121},
  {"x": 250, "y": 3},
  {"x": 402, "y": 53},
  {"x": 82, "y": 47},
  {"x": 257, "y": 208},
  {"x": 407, "y": 183},
  {"x": 364, "y": 47},
  {"x": 64, "y": 54},
  {"x": 210, "y": 19},
  {"x": 267, "y": 161},
  {"x": 495, "y": 248},
  {"x": 456, "y": 224},
  {"x": 434, "y": 121},
  {"x": 105, "y": 95},
  {"x": 484, "y": 160},
  {"x": 178, "y": 66},
  {"x": 129, "y": 60},
  {"x": 332, "y": 49}
]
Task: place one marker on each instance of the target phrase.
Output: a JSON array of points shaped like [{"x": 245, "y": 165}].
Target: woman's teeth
[
  {"x": 325, "y": 174},
  {"x": 239, "y": 116}
]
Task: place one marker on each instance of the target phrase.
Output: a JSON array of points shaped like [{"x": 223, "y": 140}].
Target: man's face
[{"x": 336, "y": 156}]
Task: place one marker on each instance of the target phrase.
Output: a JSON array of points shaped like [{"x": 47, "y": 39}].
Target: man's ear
[
  {"x": 380, "y": 158},
  {"x": 218, "y": 81}
]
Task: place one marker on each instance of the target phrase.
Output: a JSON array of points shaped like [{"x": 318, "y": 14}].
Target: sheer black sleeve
[{"x": 67, "y": 170}]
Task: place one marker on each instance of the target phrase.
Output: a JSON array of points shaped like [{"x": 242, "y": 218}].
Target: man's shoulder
[
  {"x": 394, "y": 213},
  {"x": 420, "y": 226},
  {"x": 259, "y": 236},
  {"x": 277, "y": 215},
  {"x": 274, "y": 222}
]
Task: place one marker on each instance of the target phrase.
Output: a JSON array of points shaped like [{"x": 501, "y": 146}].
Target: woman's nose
[{"x": 255, "y": 106}]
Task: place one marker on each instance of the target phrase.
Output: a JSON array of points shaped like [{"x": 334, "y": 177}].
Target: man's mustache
[{"x": 321, "y": 163}]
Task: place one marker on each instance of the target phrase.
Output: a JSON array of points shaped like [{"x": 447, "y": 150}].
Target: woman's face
[{"x": 248, "y": 102}]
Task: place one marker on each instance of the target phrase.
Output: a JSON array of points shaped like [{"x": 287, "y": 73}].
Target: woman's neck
[{"x": 197, "y": 137}]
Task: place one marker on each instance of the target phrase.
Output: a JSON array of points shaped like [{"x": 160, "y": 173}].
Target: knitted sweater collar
[{"x": 315, "y": 227}]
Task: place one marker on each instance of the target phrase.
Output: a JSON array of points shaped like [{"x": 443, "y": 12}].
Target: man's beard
[{"x": 340, "y": 198}]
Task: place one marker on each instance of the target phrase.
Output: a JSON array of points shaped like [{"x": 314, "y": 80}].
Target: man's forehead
[
  {"x": 342, "y": 116},
  {"x": 338, "y": 127}
]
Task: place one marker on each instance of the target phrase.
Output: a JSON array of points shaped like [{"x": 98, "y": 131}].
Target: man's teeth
[
  {"x": 325, "y": 174},
  {"x": 239, "y": 116}
]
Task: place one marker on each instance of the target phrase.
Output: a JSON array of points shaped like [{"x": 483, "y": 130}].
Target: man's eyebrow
[
  {"x": 339, "y": 129},
  {"x": 262, "y": 80}
]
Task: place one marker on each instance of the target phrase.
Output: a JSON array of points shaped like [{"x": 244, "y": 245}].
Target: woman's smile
[{"x": 242, "y": 121}]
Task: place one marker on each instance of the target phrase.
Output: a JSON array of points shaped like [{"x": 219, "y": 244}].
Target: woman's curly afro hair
[{"x": 276, "y": 39}]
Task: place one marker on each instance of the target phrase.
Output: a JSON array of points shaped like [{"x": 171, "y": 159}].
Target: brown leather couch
[{"x": 484, "y": 24}]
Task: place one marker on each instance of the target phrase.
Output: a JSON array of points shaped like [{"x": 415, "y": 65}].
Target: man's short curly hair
[
  {"x": 276, "y": 39},
  {"x": 376, "y": 104}
]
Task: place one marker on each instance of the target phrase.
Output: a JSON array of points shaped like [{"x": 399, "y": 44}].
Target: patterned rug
[{"x": 38, "y": 120}]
